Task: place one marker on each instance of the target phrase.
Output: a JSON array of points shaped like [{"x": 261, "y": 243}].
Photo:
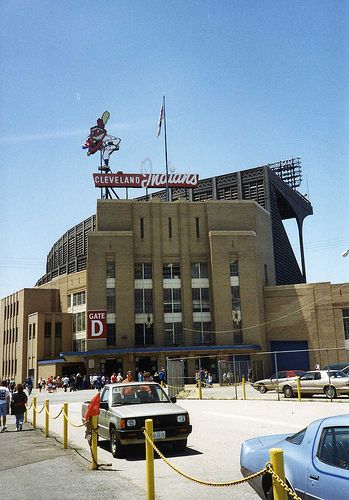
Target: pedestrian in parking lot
[
  {"x": 4, "y": 404},
  {"x": 19, "y": 400}
]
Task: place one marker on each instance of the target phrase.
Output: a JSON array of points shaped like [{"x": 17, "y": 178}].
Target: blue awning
[
  {"x": 154, "y": 350},
  {"x": 50, "y": 361}
]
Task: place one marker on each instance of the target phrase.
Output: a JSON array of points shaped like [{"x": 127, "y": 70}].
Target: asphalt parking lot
[{"x": 219, "y": 428}]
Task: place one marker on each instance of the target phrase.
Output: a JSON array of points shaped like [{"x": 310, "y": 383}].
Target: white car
[{"x": 332, "y": 383}]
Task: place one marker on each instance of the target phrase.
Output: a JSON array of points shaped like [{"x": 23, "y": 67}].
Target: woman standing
[{"x": 19, "y": 400}]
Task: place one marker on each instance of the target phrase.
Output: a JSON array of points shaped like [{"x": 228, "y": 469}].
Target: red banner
[
  {"x": 146, "y": 180},
  {"x": 96, "y": 325}
]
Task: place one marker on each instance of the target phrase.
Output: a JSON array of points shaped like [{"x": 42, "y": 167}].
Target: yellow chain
[
  {"x": 53, "y": 418},
  {"x": 71, "y": 423},
  {"x": 283, "y": 484},
  {"x": 39, "y": 411},
  {"x": 199, "y": 481},
  {"x": 28, "y": 407}
]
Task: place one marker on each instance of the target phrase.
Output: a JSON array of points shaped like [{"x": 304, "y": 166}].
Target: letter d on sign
[{"x": 96, "y": 325}]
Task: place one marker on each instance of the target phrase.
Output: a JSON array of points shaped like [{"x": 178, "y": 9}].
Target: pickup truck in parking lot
[{"x": 125, "y": 407}]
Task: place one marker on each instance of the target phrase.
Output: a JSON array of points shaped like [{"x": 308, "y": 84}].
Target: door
[
  {"x": 103, "y": 420},
  {"x": 307, "y": 382},
  {"x": 328, "y": 473}
]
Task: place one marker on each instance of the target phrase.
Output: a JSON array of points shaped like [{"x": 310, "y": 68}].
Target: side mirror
[
  {"x": 104, "y": 405},
  {"x": 173, "y": 399}
]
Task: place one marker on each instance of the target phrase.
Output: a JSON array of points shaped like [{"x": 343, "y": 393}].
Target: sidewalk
[{"x": 33, "y": 466}]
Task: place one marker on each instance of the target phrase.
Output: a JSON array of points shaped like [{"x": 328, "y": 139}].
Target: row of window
[
  {"x": 169, "y": 227},
  {"x": 76, "y": 299},
  {"x": 144, "y": 334},
  {"x": 11, "y": 336},
  {"x": 11, "y": 310},
  {"x": 143, "y": 271},
  {"x": 345, "y": 316},
  {"x": 9, "y": 368}
]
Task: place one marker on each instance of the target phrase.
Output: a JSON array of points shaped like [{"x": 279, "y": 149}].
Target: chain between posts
[
  {"x": 200, "y": 481},
  {"x": 283, "y": 484}
]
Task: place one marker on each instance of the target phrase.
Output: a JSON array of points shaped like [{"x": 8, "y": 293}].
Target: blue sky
[{"x": 247, "y": 83}]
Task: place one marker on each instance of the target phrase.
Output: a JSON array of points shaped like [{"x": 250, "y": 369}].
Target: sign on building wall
[
  {"x": 96, "y": 325},
  {"x": 146, "y": 180}
]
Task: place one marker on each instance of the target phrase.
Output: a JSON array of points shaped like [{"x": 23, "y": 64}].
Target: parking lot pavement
[{"x": 33, "y": 466}]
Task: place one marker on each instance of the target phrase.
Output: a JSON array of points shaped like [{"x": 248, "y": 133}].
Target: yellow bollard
[
  {"x": 277, "y": 461},
  {"x": 199, "y": 389},
  {"x": 149, "y": 455},
  {"x": 299, "y": 389},
  {"x": 243, "y": 387},
  {"x": 34, "y": 412},
  {"x": 65, "y": 425},
  {"x": 94, "y": 443},
  {"x": 47, "y": 419}
]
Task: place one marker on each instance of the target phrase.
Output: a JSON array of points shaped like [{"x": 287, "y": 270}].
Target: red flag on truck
[{"x": 93, "y": 407}]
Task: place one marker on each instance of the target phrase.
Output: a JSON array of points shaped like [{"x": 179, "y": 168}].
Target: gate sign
[{"x": 96, "y": 325}]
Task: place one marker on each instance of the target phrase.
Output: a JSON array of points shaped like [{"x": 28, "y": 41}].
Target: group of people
[
  {"x": 99, "y": 381},
  {"x": 14, "y": 399},
  {"x": 205, "y": 378}
]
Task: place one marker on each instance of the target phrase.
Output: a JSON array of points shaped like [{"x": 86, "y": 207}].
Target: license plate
[{"x": 159, "y": 434}]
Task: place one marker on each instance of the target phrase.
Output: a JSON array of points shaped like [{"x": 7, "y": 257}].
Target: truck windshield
[{"x": 130, "y": 394}]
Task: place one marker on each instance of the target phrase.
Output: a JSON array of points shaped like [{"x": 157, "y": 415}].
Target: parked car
[
  {"x": 316, "y": 460},
  {"x": 331, "y": 383},
  {"x": 270, "y": 384},
  {"x": 336, "y": 366},
  {"x": 345, "y": 370},
  {"x": 124, "y": 409}
]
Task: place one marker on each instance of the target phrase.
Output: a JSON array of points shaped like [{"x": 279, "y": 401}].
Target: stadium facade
[{"x": 210, "y": 274}]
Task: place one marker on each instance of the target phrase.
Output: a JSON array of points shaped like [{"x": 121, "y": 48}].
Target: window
[
  {"x": 111, "y": 334},
  {"x": 199, "y": 270},
  {"x": 143, "y": 300},
  {"x": 234, "y": 269},
  {"x": 79, "y": 298},
  {"x": 34, "y": 328},
  {"x": 173, "y": 334},
  {"x": 58, "y": 330},
  {"x": 235, "y": 298},
  {"x": 110, "y": 269},
  {"x": 201, "y": 299},
  {"x": 345, "y": 315},
  {"x": 334, "y": 447},
  {"x": 172, "y": 300},
  {"x": 30, "y": 332},
  {"x": 111, "y": 303},
  {"x": 143, "y": 271},
  {"x": 141, "y": 224},
  {"x": 79, "y": 322},
  {"x": 47, "y": 331},
  {"x": 69, "y": 301},
  {"x": 105, "y": 394},
  {"x": 169, "y": 227},
  {"x": 144, "y": 334},
  {"x": 202, "y": 334},
  {"x": 197, "y": 227},
  {"x": 171, "y": 271}
]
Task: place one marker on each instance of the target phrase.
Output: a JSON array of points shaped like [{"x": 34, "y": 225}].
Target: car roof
[
  {"x": 336, "y": 420},
  {"x": 122, "y": 384}
]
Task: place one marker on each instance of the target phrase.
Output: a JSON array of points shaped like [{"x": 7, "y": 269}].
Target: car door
[
  {"x": 307, "y": 382},
  {"x": 102, "y": 420},
  {"x": 328, "y": 472}
]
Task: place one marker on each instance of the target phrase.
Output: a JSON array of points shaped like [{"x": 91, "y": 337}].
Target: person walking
[
  {"x": 19, "y": 400},
  {"x": 4, "y": 404}
]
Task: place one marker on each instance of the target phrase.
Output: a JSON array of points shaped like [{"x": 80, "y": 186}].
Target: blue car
[{"x": 316, "y": 460}]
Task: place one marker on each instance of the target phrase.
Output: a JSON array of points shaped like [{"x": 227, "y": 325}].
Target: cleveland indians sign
[{"x": 100, "y": 140}]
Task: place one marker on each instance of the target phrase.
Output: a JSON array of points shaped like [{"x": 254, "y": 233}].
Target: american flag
[{"x": 161, "y": 117}]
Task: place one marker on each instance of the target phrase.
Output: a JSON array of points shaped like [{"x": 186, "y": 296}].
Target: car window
[
  {"x": 338, "y": 374},
  {"x": 298, "y": 437},
  {"x": 105, "y": 394},
  {"x": 317, "y": 376},
  {"x": 308, "y": 376},
  {"x": 334, "y": 447},
  {"x": 131, "y": 394}
]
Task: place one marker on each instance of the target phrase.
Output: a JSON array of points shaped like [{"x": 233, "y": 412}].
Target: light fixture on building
[{"x": 149, "y": 322}]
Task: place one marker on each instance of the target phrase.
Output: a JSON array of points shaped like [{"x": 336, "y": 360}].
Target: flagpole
[{"x": 166, "y": 162}]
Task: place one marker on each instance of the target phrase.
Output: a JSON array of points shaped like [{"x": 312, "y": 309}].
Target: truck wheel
[
  {"x": 179, "y": 445},
  {"x": 262, "y": 389},
  {"x": 116, "y": 448},
  {"x": 330, "y": 392},
  {"x": 288, "y": 392}
]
